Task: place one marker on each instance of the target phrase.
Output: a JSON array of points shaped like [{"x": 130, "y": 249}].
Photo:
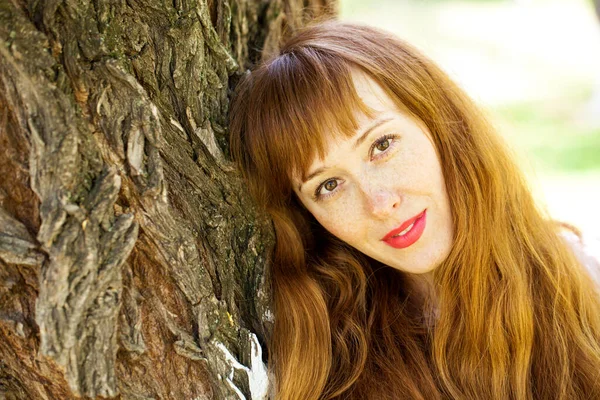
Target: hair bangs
[{"x": 305, "y": 98}]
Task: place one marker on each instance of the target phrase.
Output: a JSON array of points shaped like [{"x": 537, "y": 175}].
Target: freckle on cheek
[{"x": 333, "y": 223}]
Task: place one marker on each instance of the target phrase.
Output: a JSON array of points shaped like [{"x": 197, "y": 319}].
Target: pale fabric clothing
[{"x": 587, "y": 251}]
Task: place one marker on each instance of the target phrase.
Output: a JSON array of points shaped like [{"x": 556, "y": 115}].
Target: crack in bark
[{"x": 17, "y": 246}]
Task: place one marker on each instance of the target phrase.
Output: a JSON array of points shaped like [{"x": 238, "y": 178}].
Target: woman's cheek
[{"x": 340, "y": 220}]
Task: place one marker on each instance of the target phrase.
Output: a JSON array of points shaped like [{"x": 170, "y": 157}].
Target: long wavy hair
[{"x": 518, "y": 317}]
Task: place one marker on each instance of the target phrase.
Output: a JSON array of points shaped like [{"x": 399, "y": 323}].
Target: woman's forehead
[
  {"x": 376, "y": 108},
  {"x": 371, "y": 94},
  {"x": 340, "y": 110}
]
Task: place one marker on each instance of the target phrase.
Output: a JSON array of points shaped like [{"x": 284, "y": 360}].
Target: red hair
[{"x": 518, "y": 316}]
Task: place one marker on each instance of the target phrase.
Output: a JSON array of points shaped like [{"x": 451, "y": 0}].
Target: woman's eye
[
  {"x": 325, "y": 189},
  {"x": 382, "y": 145},
  {"x": 330, "y": 185}
]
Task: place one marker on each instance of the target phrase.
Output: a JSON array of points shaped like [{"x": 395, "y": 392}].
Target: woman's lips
[{"x": 408, "y": 233}]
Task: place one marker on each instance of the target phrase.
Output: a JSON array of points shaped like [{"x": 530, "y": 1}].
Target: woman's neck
[{"x": 422, "y": 292}]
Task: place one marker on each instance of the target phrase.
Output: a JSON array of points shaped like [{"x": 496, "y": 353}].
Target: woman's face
[{"x": 382, "y": 191}]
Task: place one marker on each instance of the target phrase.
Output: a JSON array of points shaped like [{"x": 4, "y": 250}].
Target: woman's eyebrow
[
  {"x": 370, "y": 128},
  {"x": 310, "y": 176}
]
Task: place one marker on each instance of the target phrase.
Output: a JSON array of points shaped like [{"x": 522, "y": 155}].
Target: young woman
[{"x": 411, "y": 261}]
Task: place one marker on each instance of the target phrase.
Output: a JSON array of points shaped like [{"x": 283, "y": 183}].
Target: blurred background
[{"x": 534, "y": 66}]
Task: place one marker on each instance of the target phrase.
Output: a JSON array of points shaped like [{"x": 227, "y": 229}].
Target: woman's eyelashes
[
  {"x": 382, "y": 145},
  {"x": 330, "y": 185},
  {"x": 379, "y": 149}
]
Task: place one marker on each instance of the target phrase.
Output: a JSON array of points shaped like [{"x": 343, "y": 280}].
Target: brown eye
[
  {"x": 330, "y": 185},
  {"x": 327, "y": 188},
  {"x": 383, "y": 145}
]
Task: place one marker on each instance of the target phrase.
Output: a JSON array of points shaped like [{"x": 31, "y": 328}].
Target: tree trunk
[{"x": 132, "y": 262}]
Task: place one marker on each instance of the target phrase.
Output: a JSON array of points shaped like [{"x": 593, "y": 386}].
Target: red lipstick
[{"x": 399, "y": 239}]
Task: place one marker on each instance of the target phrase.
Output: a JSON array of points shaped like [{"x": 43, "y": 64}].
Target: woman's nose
[{"x": 382, "y": 202}]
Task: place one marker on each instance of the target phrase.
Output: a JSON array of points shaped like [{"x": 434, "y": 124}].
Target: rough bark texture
[{"x": 130, "y": 253}]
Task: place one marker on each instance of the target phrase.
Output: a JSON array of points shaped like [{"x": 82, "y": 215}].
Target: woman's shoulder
[{"x": 587, "y": 251}]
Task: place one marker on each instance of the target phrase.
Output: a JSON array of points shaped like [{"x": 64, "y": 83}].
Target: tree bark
[{"x": 132, "y": 262}]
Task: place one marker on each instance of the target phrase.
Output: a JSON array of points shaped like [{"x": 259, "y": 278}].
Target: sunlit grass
[{"x": 554, "y": 143}]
